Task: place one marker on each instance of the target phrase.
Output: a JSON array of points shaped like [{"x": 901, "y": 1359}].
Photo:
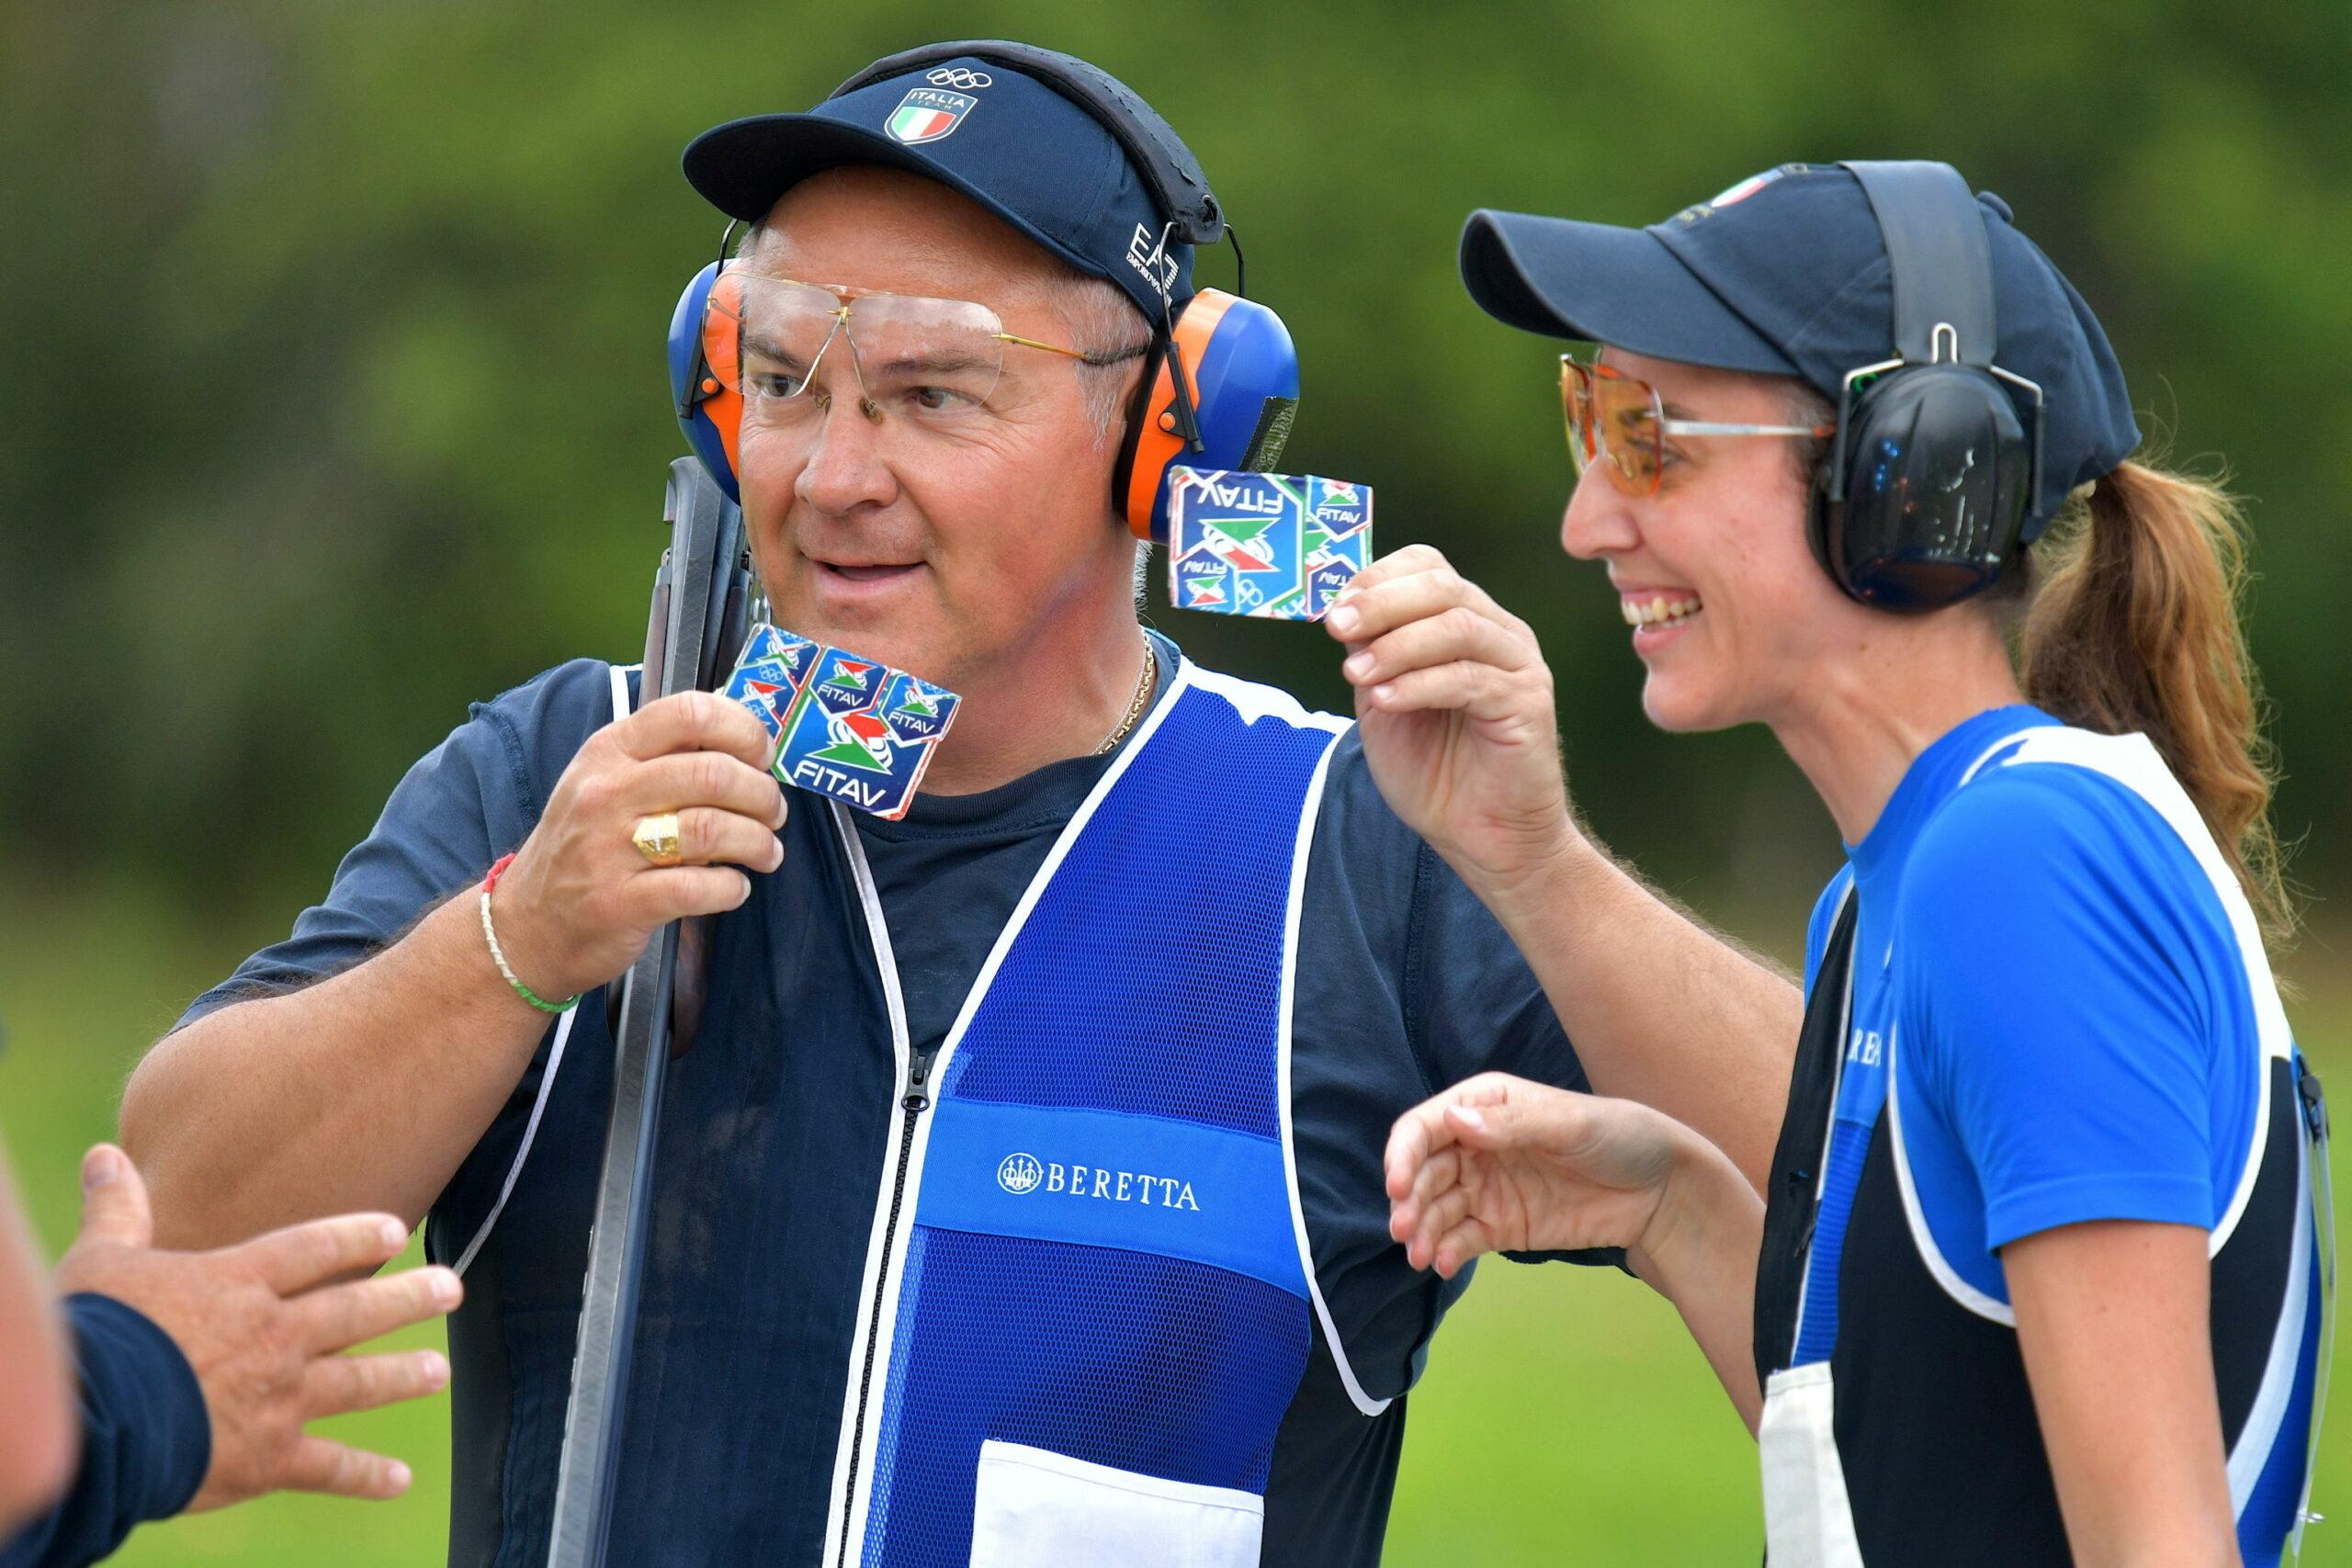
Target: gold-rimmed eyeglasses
[{"x": 936, "y": 362}]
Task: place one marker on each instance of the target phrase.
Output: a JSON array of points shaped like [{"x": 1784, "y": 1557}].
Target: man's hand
[
  {"x": 580, "y": 902},
  {"x": 1455, "y": 706},
  {"x": 262, "y": 1331}
]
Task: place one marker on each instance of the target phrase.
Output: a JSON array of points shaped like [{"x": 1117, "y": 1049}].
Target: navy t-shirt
[
  {"x": 1406, "y": 984},
  {"x": 146, "y": 1440}
]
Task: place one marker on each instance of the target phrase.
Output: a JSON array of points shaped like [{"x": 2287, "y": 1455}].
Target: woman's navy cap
[
  {"x": 1003, "y": 137},
  {"x": 1786, "y": 273}
]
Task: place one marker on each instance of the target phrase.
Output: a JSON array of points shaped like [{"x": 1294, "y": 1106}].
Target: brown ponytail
[{"x": 2133, "y": 626}]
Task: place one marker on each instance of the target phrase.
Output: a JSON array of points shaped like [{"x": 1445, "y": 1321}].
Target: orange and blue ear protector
[
  {"x": 1221, "y": 392},
  {"x": 708, "y": 410}
]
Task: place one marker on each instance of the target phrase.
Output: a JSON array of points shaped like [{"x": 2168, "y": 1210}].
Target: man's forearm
[
  {"x": 1660, "y": 1009},
  {"x": 363, "y": 1091}
]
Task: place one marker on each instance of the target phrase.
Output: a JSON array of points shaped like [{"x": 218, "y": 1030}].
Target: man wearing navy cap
[{"x": 1019, "y": 1199}]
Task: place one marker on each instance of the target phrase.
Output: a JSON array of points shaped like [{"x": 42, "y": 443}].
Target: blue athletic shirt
[
  {"x": 2078, "y": 1041},
  {"x": 2054, "y": 1019}
]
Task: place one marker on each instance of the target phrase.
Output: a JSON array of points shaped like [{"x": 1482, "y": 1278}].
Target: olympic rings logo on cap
[{"x": 958, "y": 76}]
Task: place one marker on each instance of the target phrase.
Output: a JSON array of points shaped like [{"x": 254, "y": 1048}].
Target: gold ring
[{"x": 656, "y": 839}]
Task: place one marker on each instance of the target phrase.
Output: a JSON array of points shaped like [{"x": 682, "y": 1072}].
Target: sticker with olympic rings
[{"x": 1278, "y": 547}]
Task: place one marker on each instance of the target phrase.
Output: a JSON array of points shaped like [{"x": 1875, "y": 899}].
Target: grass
[{"x": 1566, "y": 1418}]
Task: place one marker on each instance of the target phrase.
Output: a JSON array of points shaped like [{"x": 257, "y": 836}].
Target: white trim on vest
[
  {"x": 1255, "y": 702},
  {"x": 1923, "y": 1240},
  {"x": 619, "y": 673},
  {"x": 1364, "y": 1401},
  {"x": 887, "y": 964},
  {"x": 2265, "y": 1417}
]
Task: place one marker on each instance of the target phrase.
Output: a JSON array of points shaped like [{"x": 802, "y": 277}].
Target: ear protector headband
[
  {"x": 1925, "y": 493},
  {"x": 1220, "y": 390}
]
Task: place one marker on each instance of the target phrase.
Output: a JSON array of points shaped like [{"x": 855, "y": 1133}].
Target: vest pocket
[
  {"x": 1808, "y": 1523},
  {"x": 1034, "y": 1506}
]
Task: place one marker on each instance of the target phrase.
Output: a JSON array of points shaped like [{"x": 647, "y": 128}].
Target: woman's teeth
[{"x": 1657, "y": 612}]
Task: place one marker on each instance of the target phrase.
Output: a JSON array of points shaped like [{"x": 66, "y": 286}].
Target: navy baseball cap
[
  {"x": 987, "y": 128},
  {"x": 1785, "y": 274}
]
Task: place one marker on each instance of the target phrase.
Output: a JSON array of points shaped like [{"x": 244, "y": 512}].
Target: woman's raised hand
[{"x": 1455, "y": 703}]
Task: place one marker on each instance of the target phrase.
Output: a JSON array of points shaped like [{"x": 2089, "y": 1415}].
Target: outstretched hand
[
  {"x": 261, "y": 1326},
  {"x": 1498, "y": 1163}
]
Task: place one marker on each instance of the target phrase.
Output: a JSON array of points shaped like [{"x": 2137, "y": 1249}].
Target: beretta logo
[{"x": 1020, "y": 1174}]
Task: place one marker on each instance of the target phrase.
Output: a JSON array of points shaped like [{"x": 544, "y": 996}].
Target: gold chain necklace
[{"x": 1145, "y": 681}]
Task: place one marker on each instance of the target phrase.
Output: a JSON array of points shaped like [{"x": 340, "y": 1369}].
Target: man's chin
[{"x": 898, "y": 635}]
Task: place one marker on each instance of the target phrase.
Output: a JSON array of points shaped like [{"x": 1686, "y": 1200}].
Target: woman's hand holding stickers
[{"x": 1455, "y": 703}]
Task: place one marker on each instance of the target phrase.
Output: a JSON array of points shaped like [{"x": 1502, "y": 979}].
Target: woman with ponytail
[
  {"x": 2134, "y": 628},
  {"x": 2033, "y": 1276}
]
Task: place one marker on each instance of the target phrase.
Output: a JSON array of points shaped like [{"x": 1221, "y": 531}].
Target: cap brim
[
  {"x": 743, "y": 166},
  {"x": 1598, "y": 283}
]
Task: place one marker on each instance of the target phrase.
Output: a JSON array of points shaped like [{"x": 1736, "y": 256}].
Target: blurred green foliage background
[{"x": 338, "y": 401}]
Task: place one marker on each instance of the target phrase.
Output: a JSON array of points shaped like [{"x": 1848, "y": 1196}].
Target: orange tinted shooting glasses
[{"x": 1621, "y": 423}]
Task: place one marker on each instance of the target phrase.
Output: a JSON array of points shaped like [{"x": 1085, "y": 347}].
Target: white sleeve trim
[{"x": 619, "y": 673}]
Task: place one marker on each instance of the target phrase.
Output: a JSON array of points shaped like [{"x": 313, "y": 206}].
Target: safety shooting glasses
[
  {"x": 1621, "y": 423},
  {"x": 936, "y": 362}
]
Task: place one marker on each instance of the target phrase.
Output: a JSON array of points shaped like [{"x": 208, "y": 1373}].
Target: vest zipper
[{"x": 914, "y": 1102}]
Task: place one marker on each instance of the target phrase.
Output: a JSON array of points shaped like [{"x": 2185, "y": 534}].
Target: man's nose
[
  {"x": 848, "y": 465},
  {"x": 1599, "y": 520}
]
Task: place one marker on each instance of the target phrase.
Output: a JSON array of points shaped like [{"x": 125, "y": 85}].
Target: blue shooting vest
[{"x": 1089, "y": 1302}]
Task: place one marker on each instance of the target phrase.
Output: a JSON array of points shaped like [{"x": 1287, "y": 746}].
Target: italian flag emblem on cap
[{"x": 926, "y": 114}]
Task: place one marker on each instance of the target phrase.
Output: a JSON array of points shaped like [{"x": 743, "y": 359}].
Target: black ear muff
[
  {"x": 1925, "y": 497},
  {"x": 1937, "y": 477}
]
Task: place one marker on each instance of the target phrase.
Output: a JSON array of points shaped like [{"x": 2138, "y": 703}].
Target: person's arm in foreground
[
  {"x": 198, "y": 1371},
  {"x": 2112, "y": 1322},
  {"x": 1456, "y": 709},
  {"x": 368, "y": 1090},
  {"x": 36, "y": 1386},
  {"x": 1498, "y": 1163}
]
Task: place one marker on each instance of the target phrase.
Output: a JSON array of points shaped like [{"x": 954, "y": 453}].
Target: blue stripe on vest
[
  {"x": 1133, "y": 1028},
  {"x": 1107, "y": 1179},
  {"x": 1849, "y": 1148},
  {"x": 2268, "y": 1516}
]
